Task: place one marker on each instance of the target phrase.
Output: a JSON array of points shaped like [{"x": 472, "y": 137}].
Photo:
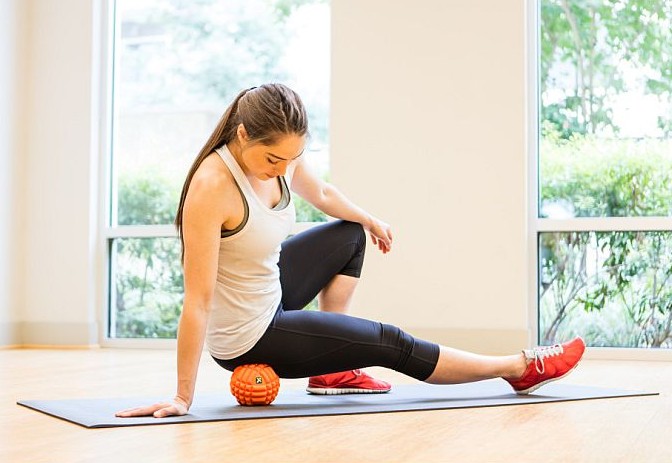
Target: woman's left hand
[
  {"x": 381, "y": 234},
  {"x": 176, "y": 407}
]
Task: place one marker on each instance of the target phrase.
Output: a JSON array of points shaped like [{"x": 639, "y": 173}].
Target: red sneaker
[
  {"x": 347, "y": 382},
  {"x": 548, "y": 364}
]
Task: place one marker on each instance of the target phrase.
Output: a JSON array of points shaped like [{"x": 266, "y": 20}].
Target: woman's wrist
[
  {"x": 368, "y": 221},
  {"x": 183, "y": 401}
]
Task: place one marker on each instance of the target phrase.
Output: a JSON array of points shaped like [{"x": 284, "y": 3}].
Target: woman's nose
[{"x": 280, "y": 169}]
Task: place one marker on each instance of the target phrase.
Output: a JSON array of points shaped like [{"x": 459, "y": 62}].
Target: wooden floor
[{"x": 612, "y": 430}]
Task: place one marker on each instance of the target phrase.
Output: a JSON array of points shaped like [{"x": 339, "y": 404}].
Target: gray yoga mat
[{"x": 99, "y": 413}]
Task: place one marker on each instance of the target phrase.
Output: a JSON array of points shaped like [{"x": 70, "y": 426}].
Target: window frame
[
  {"x": 103, "y": 146},
  {"x": 538, "y": 225}
]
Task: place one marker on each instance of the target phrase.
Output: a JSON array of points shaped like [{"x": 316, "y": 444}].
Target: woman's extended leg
[
  {"x": 525, "y": 373},
  {"x": 456, "y": 366},
  {"x": 304, "y": 343}
]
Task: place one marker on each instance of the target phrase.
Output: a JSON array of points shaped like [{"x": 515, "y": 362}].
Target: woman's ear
[{"x": 242, "y": 134}]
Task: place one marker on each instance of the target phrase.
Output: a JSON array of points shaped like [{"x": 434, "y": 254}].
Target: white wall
[
  {"x": 11, "y": 65},
  {"x": 428, "y": 133},
  {"x": 57, "y": 229}
]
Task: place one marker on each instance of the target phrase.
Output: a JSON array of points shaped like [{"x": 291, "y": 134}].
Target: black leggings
[{"x": 300, "y": 343}]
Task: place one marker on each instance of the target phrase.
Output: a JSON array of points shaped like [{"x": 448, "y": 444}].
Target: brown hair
[{"x": 267, "y": 112}]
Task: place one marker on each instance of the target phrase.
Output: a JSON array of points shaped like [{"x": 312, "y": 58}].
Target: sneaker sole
[
  {"x": 543, "y": 383},
  {"x": 338, "y": 391}
]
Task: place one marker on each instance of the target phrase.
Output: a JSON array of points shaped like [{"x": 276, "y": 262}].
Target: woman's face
[{"x": 269, "y": 161}]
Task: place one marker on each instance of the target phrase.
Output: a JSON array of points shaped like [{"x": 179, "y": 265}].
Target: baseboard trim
[
  {"x": 60, "y": 347},
  {"x": 629, "y": 354},
  {"x": 481, "y": 341},
  {"x": 10, "y": 335},
  {"x": 61, "y": 335}
]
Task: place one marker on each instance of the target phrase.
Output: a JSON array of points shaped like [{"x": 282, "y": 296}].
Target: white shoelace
[{"x": 538, "y": 354}]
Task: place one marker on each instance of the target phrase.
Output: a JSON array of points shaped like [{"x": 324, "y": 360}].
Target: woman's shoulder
[
  {"x": 212, "y": 185},
  {"x": 210, "y": 192},
  {"x": 213, "y": 174}
]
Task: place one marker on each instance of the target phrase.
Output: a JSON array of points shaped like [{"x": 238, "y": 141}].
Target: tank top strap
[{"x": 236, "y": 170}]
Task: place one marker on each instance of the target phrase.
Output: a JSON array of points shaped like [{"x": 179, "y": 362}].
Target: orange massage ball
[{"x": 254, "y": 384}]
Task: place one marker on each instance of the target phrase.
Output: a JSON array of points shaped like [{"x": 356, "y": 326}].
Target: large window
[
  {"x": 176, "y": 66},
  {"x": 604, "y": 209}
]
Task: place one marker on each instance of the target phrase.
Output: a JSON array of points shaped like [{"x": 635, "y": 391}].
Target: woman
[{"x": 245, "y": 284}]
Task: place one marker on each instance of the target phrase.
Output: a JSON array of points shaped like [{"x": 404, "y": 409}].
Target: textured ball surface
[{"x": 254, "y": 384}]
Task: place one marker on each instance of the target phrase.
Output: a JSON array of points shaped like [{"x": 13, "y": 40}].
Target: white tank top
[{"x": 247, "y": 292}]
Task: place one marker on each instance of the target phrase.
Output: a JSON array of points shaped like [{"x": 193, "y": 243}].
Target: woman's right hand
[
  {"x": 381, "y": 234},
  {"x": 176, "y": 407}
]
